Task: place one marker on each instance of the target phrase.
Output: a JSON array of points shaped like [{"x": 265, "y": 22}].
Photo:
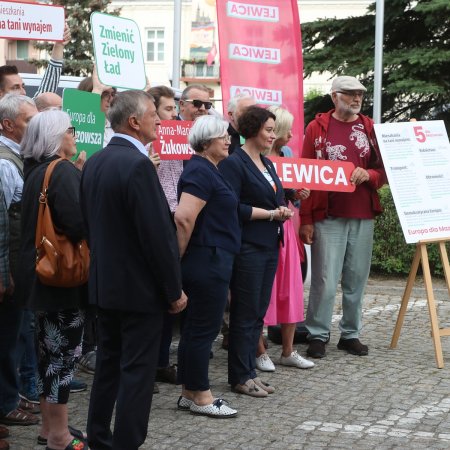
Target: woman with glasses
[
  {"x": 208, "y": 237},
  {"x": 261, "y": 212},
  {"x": 59, "y": 311}
]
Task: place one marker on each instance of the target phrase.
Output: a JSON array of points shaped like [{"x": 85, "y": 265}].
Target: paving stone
[{"x": 393, "y": 398}]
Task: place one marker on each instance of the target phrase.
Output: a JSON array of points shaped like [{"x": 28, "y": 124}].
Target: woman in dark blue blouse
[
  {"x": 209, "y": 237},
  {"x": 261, "y": 212}
]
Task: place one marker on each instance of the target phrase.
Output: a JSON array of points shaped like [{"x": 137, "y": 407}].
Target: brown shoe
[
  {"x": 316, "y": 348},
  {"x": 4, "y": 432},
  {"x": 19, "y": 417},
  {"x": 250, "y": 388},
  {"x": 353, "y": 346},
  {"x": 263, "y": 385},
  {"x": 167, "y": 374},
  {"x": 4, "y": 445},
  {"x": 29, "y": 407}
]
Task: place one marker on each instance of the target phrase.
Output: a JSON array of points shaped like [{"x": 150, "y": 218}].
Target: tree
[
  {"x": 79, "y": 53},
  {"x": 416, "y": 78}
]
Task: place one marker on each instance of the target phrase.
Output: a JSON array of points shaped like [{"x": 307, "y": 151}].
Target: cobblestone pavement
[{"x": 389, "y": 399}]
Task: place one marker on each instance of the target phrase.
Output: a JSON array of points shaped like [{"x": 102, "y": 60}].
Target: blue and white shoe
[
  {"x": 184, "y": 404},
  {"x": 217, "y": 409}
]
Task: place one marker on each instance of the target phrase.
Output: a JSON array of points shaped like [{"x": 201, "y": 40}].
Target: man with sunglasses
[
  {"x": 194, "y": 102},
  {"x": 339, "y": 226}
]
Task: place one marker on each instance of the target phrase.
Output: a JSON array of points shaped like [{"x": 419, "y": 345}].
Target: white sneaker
[
  {"x": 295, "y": 360},
  {"x": 264, "y": 363}
]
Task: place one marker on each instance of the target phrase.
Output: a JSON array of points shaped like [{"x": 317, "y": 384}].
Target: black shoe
[
  {"x": 167, "y": 374},
  {"x": 353, "y": 346},
  {"x": 225, "y": 342},
  {"x": 316, "y": 348}
]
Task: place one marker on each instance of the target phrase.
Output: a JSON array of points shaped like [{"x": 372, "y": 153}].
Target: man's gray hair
[
  {"x": 44, "y": 134},
  {"x": 127, "y": 104},
  {"x": 10, "y": 105},
  {"x": 204, "y": 130},
  {"x": 199, "y": 87},
  {"x": 233, "y": 102}
]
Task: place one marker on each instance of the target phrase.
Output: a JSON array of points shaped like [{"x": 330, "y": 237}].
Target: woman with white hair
[
  {"x": 209, "y": 237},
  {"x": 50, "y": 136}
]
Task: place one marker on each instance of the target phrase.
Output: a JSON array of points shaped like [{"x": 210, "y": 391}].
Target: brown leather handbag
[{"x": 59, "y": 262}]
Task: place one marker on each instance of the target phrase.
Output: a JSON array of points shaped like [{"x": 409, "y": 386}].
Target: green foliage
[
  {"x": 416, "y": 80},
  {"x": 312, "y": 94},
  {"x": 315, "y": 105},
  {"x": 391, "y": 254},
  {"x": 78, "y": 54}
]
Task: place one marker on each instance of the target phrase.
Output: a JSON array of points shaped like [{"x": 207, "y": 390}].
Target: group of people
[{"x": 200, "y": 237}]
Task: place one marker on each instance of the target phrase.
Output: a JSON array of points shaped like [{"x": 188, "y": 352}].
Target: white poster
[
  {"x": 416, "y": 157},
  {"x": 25, "y": 21},
  {"x": 118, "y": 51}
]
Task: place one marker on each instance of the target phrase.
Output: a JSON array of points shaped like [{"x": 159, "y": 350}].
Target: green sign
[{"x": 87, "y": 118}]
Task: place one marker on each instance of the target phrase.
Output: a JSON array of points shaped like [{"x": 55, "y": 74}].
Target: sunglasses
[
  {"x": 198, "y": 104},
  {"x": 71, "y": 130}
]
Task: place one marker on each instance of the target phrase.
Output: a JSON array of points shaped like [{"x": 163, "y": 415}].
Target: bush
[{"x": 391, "y": 253}]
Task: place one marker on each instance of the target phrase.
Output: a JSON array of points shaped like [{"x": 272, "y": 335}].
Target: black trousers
[{"x": 127, "y": 353}]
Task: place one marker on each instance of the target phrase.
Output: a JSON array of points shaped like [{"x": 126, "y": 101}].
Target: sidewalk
[{"x": 389, "y": 399}]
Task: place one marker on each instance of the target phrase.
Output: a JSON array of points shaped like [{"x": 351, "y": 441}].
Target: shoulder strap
[
  {"x": 44, "y": 209},
  {"x": 8, "y": 154}
]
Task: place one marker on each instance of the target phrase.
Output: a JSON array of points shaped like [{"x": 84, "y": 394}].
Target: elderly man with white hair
[
  {"x": 15, "y": 113},
  {"x": 236, "y": 106},
  {"x": 339, "y": 226}
]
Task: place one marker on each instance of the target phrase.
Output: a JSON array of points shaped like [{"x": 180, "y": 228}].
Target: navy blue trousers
[
  {"x": 206, "y": 278},
  {"x": 251, "y": 286}
]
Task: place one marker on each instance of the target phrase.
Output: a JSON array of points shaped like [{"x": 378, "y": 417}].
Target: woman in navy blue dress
[{"x": 209, "y": 237}]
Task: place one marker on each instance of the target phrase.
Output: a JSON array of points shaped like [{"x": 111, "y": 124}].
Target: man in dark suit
[{"x": 134, "y": 272}]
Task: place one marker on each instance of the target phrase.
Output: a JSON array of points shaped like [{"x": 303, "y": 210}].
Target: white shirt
[{"x": 140, "y": 146}]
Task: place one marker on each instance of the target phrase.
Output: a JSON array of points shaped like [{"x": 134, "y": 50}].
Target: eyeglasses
[
  {"x": 226, "y": 139},
  {"x": 353, "y": 94},
  {"x": 198, "y": 104},
  {"x": 109, "y": 94},
  {"x": 71, "y": 130}
]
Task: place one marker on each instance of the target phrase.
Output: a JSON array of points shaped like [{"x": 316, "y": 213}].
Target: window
[
  {"x": 22, "y": 49},
  {"x": 155, "y": 44}
]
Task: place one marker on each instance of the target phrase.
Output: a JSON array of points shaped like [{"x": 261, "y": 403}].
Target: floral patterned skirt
[{"x": 59, "y": 347}]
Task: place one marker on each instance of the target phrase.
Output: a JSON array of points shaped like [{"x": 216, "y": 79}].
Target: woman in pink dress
[{"x": 286, "y": 302}]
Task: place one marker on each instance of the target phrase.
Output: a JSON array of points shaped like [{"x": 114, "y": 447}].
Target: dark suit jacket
[
  {"x": 253, "y": 190},
  {"x": 134, "y": 251}
]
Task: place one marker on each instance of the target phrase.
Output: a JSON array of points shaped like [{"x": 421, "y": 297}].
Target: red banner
[
  {"x": 261, "y": 55},
  {"x": 172, "y": 141},
  {"x": 314, "y": 174}
]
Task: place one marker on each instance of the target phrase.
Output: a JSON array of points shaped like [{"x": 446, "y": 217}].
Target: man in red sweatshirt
[{"x": 339, "y": 226}]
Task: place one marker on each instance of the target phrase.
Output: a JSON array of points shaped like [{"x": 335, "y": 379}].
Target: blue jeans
[
  {"x": 342, "y": 250},
  {"x": 10, "y": 321},
  {"x": 27, "y": 354},
  {"x": 251, "y": 286},
  {"x": 206, "y": 278}
]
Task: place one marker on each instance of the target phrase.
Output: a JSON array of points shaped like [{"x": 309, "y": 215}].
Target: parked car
[{"x": 33, "y": 80}]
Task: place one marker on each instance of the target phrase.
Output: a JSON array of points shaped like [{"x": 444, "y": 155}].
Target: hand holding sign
[{"x": 118, "y": 51}]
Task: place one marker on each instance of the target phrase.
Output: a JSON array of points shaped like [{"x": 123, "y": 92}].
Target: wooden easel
[{"x": 421, "y": 255}]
